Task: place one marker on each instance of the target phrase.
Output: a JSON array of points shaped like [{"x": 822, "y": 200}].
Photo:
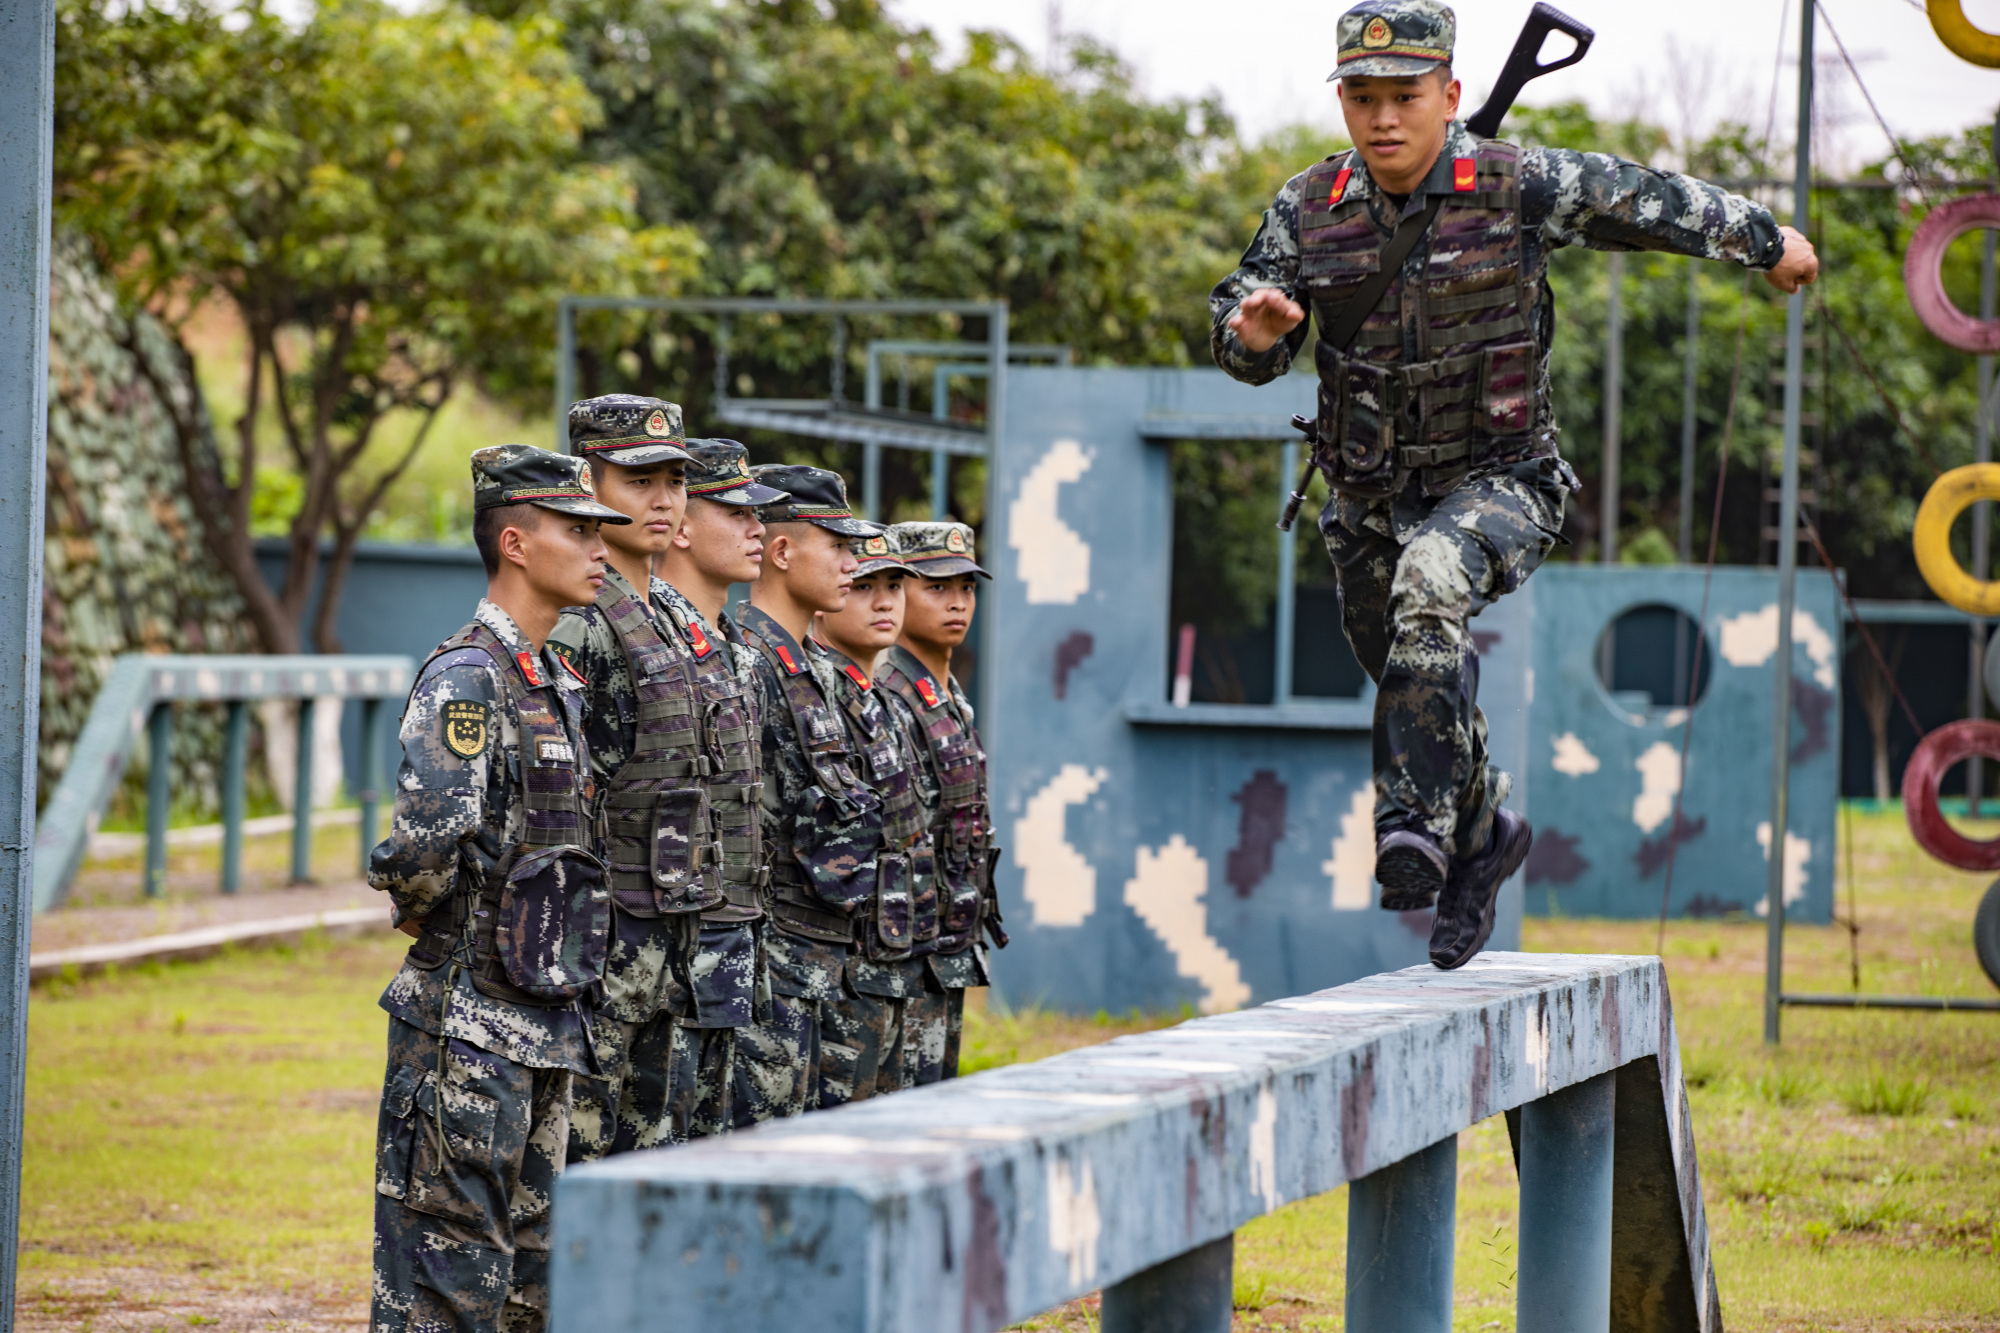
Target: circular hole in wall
[{"x": 1647, "y": 659}]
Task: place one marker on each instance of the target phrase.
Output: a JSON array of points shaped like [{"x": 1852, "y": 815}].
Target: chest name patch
[
  {"x": 464, "y": 725},
  {"x": 555, "y": 751}
]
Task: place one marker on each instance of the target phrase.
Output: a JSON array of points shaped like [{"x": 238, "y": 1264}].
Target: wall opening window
[
  {"x": 1646, "y": 659},
  {"x": 1255, "y": 615}
]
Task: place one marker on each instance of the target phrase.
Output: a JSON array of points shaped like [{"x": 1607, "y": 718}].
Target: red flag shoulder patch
[
  {"x": 785, "y": 656},
  {"x": 527, "y": 661},
  {"x": 1340, "y": 179},
  {"x": 1463, "y": 174},
  {"x": 702, "y": 647},
  {"x": 929, "y": 693},
  {"x": 855, "y": 674}
]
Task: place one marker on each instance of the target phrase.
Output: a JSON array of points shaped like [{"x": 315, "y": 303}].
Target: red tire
[
  {"x": 1935, "y": 754},
  {"x": 1923, "y": 273}
]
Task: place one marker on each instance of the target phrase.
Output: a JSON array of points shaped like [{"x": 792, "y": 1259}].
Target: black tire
[{"x": 1986, "y": 932}]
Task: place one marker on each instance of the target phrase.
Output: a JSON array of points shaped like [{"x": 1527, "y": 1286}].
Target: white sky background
[{"x": 1689, "y": 60}]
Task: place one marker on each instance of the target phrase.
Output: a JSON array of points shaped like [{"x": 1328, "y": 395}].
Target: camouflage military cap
[
  {"x": 816, "y": 496},
  {"x": 938, "y": 550},
  {"x": 626, "y": 429},
  {"x": 719, "y": 470},
  {"x": 1395, "y": 39},
  {"x": 881, "y": 552},
  {"x": 520, "y": 474}
]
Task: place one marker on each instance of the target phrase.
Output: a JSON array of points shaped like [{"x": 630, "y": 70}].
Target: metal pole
[
  {"x": 371, "y": 776},
  {"x": 565, "y": 370},
  {"x": 27, "y": 78},
  {"x": 1401, "y": 1224},
  {"x": 1190, "y": 1293},
  {"x": 302, "y": 796},
  {"x": 1565, "y": 1245},
  {"x": 984, "y": 630},
  {"x": 871, "y": 480},
  {"x": 159, "y": 794},
  {"x": 1614, "y": 405},
  {"x": 1685, "y": 546},
  {"x": 1982, "y": 520},
  {"x": 1287, "y": 627},
  {"x": 235, "y": 758},
  {"x": 940, "y": 485},
  {"x": 1788, "y": 559}
]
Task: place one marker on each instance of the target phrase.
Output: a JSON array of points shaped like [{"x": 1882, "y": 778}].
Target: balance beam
[{"x": 978, "y": 1202}]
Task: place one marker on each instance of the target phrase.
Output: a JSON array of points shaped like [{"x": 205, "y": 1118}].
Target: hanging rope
[{"x": 1895, "y": 144}]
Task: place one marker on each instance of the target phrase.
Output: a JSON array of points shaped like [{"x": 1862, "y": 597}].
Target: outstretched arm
[{"x": 1607, "y": 203}]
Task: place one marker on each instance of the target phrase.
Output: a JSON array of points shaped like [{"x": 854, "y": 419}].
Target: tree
[{"x": 392, "y": 201}]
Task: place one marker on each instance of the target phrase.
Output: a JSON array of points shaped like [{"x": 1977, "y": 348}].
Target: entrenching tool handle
[
  {"x": 1525, "y": 63},
  {"x": 1311, "y": 432}
]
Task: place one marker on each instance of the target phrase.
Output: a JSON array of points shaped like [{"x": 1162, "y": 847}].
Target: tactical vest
[
  {"x": 682, "y": 831},
  {"x": 794, "y": 905},
  {"x": 555, "y": 791},
  {"x": 905, "y": 895},
  {"x": 1468, "y": 397},
  {"x": 962, "y": 834}
]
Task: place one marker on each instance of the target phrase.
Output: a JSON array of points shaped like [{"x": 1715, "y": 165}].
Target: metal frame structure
[
  {"x": 835, "y": 417},
  {"x": 1128, "y": 1166},
  {"x": 142, "y": 689}
]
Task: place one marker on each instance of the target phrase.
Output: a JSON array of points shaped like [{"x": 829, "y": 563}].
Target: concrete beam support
[
  {"x": 1566, "y": 1172},
  {"x": 1401, "y": 1228},
  {"x": 1191, "y": 1293}
]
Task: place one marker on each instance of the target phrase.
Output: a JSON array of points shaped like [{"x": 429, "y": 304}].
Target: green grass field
[{"x": 198, "y": 1136}]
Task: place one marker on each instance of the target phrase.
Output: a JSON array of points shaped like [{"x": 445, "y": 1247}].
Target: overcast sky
[{"x": 1709, "y": 58}]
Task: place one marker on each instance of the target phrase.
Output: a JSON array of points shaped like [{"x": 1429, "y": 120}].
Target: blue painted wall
[{"x": 1603, "y": 770}]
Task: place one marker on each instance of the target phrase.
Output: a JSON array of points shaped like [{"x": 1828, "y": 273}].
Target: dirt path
[
  {"x": 74, "y": 927},
  {"x": 148, "y": 1299}
]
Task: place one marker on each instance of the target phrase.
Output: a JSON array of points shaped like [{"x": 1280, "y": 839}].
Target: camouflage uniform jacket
[
  {"x": 897, "y": 672},
  {"x": 640, "y": 977},
  {"x": 1567, "y": 198},
  {"x": 442, "y": 799},
  {"x": 727, "y": 971},
  {"x": 822, "y": 824}
]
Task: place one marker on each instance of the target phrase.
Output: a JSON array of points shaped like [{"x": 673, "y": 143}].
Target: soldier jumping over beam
[{"x": 1435, "y": 429}]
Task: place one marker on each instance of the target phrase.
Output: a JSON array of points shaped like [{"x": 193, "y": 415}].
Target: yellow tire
[
  {"x": 1948, "y": 498},
  {"x": 1961, "y": 38}
]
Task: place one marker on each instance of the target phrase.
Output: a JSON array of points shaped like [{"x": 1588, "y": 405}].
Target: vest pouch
[
  {"x": 924, "y": 921},
  {"x": 1507, "y": 389},
  {"x": 679, "y": 850},
  {"x": 961, "y": 884},
  {"x": 1358, "y": 399},
  {"x": 554, "y": 924},
  {"x": 894, "y": 932}
]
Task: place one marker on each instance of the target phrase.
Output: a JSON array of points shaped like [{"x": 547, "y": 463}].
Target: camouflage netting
[{"x": 125, "y": 569}]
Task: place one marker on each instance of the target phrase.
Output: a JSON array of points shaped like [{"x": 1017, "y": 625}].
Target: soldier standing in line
[
  {"x": 822, "y": 821},
  {"x": 1435, "y": 428},
  {"x": 720, "y": 542},
  {"x": 938, "y": 608},
  {"x": 874, "y": 1013},
  {"x": 490, "y": 863},
  {"x": 655, "y": 716}
]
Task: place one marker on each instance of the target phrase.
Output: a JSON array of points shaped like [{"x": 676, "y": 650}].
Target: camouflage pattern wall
[{"x": 125, "y": 569}]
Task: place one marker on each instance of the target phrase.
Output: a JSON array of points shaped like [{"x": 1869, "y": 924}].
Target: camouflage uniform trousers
[
  {"x": 1409, "y": 583},
  {"x": 462, "y": 1233},
  {"x": 930, "y": 1035},
  {"x": 665, "y": 1082},
  {"x": 777, "y": 1067},
  {"x": 860, "y": 1047}
]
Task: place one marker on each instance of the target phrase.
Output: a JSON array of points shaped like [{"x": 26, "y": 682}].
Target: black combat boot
[
  {"x": 1465, "y": 909},
  {"x": 1411, "y": 868}
]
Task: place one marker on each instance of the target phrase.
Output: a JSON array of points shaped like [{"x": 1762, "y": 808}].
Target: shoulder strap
[{"x": 1347, "y": 324}]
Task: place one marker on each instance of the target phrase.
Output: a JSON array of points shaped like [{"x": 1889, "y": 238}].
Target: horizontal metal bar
[
  {"x": 1951, "y": 1002},
  {"x": 1015, "y": 351},
  {"x": 1883, "y": 611},
  {"x": 1329, "y": 715},
  {"x": 1200, "y": 426},
  {"x": 853, "y": 427},
  {"x": 781, "y": 305}
]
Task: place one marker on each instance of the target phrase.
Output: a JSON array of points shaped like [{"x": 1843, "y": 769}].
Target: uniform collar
[
  {"x": 907, "y": 662},
  {"x": 1458, "y": 142},
  {"x": 778, "y": 636},
  {"x": 617, "y": 584},
  {"x": 550, "y": 667}
]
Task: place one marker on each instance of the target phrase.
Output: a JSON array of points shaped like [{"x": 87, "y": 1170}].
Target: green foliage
[
  {"x": 392, "y": 202},
  {"x": 1887, "y": 1094}
]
